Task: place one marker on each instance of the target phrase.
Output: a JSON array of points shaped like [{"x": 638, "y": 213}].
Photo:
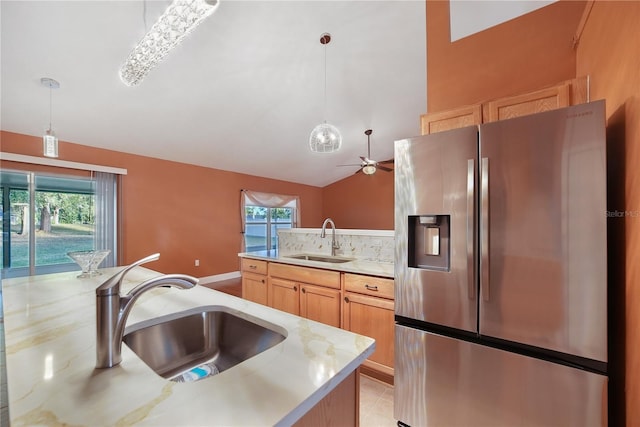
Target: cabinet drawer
[
  {"x": 254, "y": 265},
  {"x": 313, "y": 276},
  {"x": 368, "y": 285}
]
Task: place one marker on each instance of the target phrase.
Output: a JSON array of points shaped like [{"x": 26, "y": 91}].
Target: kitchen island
[{"x": 50, "y": 336}]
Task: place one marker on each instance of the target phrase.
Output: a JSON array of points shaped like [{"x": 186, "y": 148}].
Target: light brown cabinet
[
  {"x": 283, "y": 295},
  {"x": 254, "y": 280},
  {"x": 564, "y": 94},
  {"x": 355, "y": 302},
  {"x": 468, "y": 115},
  {"x": 308, "y": 292},
  {"x": 368, "y": 309},
  {"x": 320, "y": 304},
  {"x": 528, "y": 103}
]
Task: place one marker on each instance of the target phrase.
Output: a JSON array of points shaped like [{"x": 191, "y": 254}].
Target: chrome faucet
[
  {"x": 112, "y": 309},
  {"x": 323, "y": 233}
]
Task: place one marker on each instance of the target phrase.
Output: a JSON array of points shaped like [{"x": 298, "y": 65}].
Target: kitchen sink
[
  {"x": 203, "y": 336},
  {"x": 321, "y": 258}
]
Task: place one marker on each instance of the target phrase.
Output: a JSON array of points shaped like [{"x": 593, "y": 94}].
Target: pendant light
[
  {"x": 180, "y": 18},
  {"x": 325, "y": 138},
  {"x": 49, "y": 139}
]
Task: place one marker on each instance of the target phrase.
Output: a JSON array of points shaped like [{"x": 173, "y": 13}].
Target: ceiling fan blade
[
  {"x": 390, "y": 161},
  {"x": 358, "y": 171},
  {"x": 384, "y": 168},
  {"x": 353, "y": 164}
]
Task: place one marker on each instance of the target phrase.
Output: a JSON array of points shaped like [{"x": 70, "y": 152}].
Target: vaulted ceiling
[{"x": 241, "y": 93}]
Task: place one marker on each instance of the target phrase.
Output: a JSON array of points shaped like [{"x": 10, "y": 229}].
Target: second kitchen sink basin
[
  {"x": 321, "y": 258},
  {"x": 218, "y": 335}
]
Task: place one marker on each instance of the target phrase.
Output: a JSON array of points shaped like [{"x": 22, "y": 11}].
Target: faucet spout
[
  {"x": 323, "y": 233},
  {"x": 112, "y": 309}
]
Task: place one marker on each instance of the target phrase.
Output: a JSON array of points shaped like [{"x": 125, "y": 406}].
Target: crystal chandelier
[
  {"x": 176, "y": 22},
  {"x": 49, "y": 139},
  {"x": 325, "y": 138}
]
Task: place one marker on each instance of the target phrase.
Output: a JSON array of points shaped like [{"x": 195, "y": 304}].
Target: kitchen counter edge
[{"x": 357, "y": 266}]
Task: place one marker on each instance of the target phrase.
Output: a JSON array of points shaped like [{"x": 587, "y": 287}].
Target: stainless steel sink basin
[
  {"x": 321, "y": 258},
  {"x": 173, "y": 344}
]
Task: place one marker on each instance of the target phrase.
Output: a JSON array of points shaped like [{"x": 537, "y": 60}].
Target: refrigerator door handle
[
  {"x": 471, "y": 170},
  {"x": 484, "y": 228}
]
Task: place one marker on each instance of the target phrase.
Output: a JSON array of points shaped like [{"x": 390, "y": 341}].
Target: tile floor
[{"x": 376, "y": 403}]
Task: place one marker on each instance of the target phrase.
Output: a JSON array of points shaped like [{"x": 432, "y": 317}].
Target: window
[
  {"x": 262, "y": 215},
  {"x": 262, "y": 224},
  {"x": 43, "y": 218}
]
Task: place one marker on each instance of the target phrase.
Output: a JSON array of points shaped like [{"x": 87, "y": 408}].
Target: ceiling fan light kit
[
  {"x": 369, "y": 166},
  {"x": 369, "y": 170},
  {"x": 325, "y": 138},
  {"x": 180, "y": 18}
]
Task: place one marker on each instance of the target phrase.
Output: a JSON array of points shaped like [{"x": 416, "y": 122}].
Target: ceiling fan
[{"x": 369, "y": 166}]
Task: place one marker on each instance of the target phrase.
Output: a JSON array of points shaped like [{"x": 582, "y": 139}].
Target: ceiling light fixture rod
[
  {"x": 325, "y": 138},
  {"x": 49, "y": 139},
  {"x": 370, "y": 167},
  {"x": 368, "y": 132},
  {"x": 180, "y": 18},
  {"x": 324, "y": 40}
]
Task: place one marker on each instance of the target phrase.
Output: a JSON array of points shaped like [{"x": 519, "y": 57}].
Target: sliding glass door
[{"x": 43, "y": 218}]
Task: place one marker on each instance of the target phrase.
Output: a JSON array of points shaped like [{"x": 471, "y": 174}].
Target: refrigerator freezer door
[
  {"x": 435, "y": 211},
  {"x": 543, "y": 237},
  {"x": 441, "y": 381}
]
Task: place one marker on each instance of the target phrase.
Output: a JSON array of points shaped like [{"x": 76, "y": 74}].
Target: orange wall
[
  {"x": 361, "y": 201},
  {"x": 609, "y": 51},
  {"x": 524, "y": 54},
  {"x": 527, "y": 53},
  {"x": 185, "y": 212}
]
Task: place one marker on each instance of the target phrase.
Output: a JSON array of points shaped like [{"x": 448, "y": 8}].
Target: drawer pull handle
[
  {"x": 371, "y": 287},
  {"x": 253, "y": 267}
]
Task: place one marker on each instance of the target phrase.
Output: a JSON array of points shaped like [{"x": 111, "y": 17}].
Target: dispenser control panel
[{"x": 429, "y": 242}]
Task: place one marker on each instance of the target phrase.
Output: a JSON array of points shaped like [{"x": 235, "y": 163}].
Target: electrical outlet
[{"x": 197, "y": 263}]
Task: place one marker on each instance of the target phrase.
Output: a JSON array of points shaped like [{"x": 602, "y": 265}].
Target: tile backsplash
[{"x": 368, "y": 245}]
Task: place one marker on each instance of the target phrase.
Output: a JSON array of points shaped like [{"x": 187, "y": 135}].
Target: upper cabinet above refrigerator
[{"x": 563, "y": 94}]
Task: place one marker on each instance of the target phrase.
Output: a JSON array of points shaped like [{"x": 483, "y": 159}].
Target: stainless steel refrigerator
[{"x": 501, "y": 273}]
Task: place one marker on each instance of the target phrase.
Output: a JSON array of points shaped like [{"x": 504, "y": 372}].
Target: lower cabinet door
[
  {"x": 372, "y": 317},
  {"x": 320, "y": 304},
  {"x": 254, "y": 287},
  {"x": 283, "y": 295}
]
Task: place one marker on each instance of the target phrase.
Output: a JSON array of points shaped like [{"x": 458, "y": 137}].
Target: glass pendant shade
[
  {"x": 180, "y": 18},
  {"x": 369, "y": 170},
  {"x": 325, "y": 138},
  {"x": 50, "y": 144}
]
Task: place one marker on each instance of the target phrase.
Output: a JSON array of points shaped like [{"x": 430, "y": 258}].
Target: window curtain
[
  {"x": 268, "y": 200},
  {"x": 106, "y": 235}
]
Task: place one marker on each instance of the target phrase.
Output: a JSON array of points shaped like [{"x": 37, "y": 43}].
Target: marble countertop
[
  {"x": 358, "y": 266},
  {"x": 50, "y": 338}
]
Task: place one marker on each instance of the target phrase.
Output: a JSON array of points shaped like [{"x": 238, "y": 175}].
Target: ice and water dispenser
[{"x": 428, "y": 242}]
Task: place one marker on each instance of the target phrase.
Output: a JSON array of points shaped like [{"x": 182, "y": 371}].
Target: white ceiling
[{"x": 242, "y": 93}]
